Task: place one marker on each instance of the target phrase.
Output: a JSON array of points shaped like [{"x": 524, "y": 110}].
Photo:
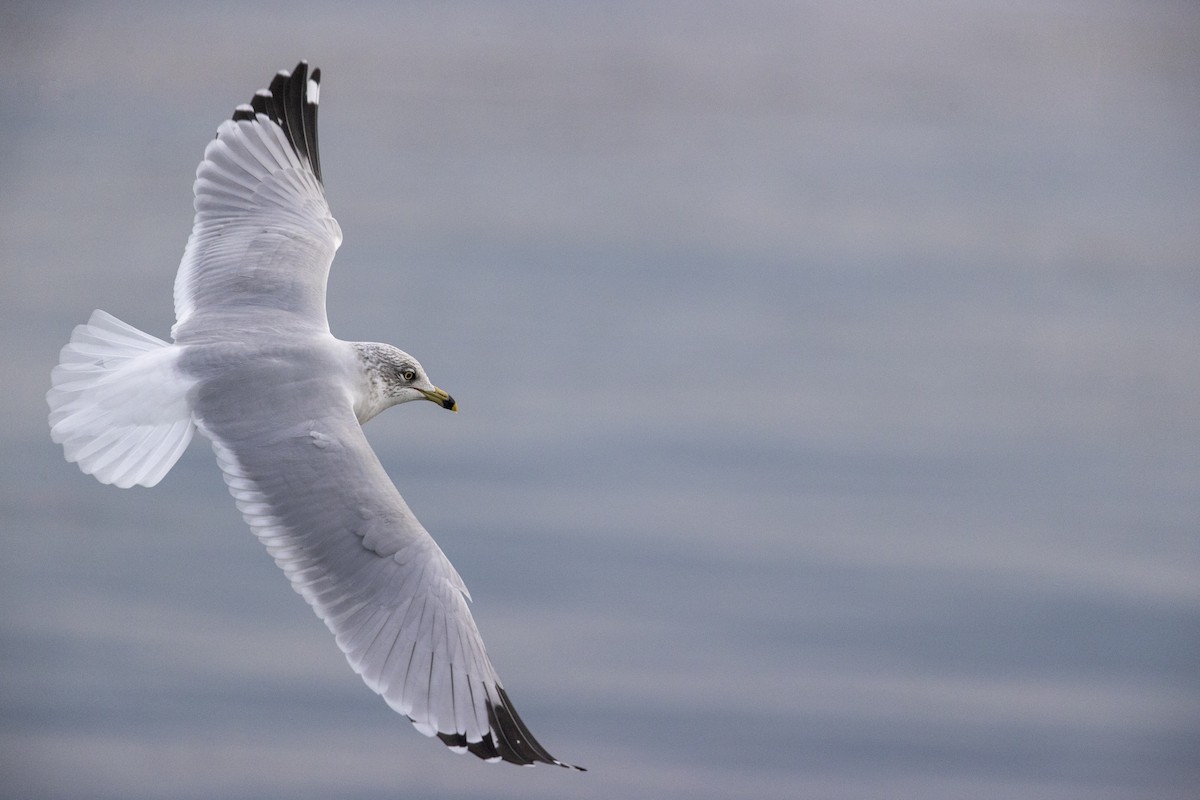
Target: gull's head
[{"x": 393, "y": 377}]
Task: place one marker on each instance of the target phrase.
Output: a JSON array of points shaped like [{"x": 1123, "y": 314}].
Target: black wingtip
[
  {"x": 508, "y": 740},
  {"x": 514, "y": 743},
  {"x": 291, "y": 102}
]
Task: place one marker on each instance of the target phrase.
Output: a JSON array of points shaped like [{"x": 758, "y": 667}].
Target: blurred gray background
[{"x": 829, "y": 386}]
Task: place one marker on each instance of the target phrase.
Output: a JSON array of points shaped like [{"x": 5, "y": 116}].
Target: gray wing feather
[
  {"x": 313, "y": 491},
  {"x": 263, "y": 236}
]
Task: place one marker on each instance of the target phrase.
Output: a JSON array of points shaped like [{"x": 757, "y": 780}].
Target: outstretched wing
[
  {"x": 311, "y": 488},
  {"x": 263, "y": 237}
]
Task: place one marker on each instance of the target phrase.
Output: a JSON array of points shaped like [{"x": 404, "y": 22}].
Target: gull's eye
[{"x": 409, "y": 375}]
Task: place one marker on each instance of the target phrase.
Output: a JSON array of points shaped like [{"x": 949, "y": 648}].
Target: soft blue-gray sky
[{"x": 829, "y": 396}]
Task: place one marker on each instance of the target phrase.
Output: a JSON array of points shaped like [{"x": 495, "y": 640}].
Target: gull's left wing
[{"x": 263, "y": 237}]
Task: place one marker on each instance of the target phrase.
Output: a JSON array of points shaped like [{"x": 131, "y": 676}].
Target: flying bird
[{"x": 253, "y": 367}]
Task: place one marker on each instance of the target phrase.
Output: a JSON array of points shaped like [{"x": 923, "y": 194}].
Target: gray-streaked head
[{"x": 393, "y": 377}]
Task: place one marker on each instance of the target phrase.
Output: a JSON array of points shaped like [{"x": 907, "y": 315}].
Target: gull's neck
[{"x": 370, "y": 389}]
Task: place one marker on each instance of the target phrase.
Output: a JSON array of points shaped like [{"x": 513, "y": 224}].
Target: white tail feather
[{"x": 118, "y": 403}]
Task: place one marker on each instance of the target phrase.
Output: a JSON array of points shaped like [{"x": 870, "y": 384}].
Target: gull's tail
[{"x": 118, "y": 404}]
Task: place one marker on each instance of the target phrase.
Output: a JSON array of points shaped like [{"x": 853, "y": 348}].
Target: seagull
[{"x": 253, "y": 367}]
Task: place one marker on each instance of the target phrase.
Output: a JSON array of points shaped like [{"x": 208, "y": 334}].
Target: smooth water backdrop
[{"x": 829, "y": 385}]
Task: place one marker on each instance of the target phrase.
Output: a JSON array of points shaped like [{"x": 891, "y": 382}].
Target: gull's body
[{"x": 254, "y": 368}]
